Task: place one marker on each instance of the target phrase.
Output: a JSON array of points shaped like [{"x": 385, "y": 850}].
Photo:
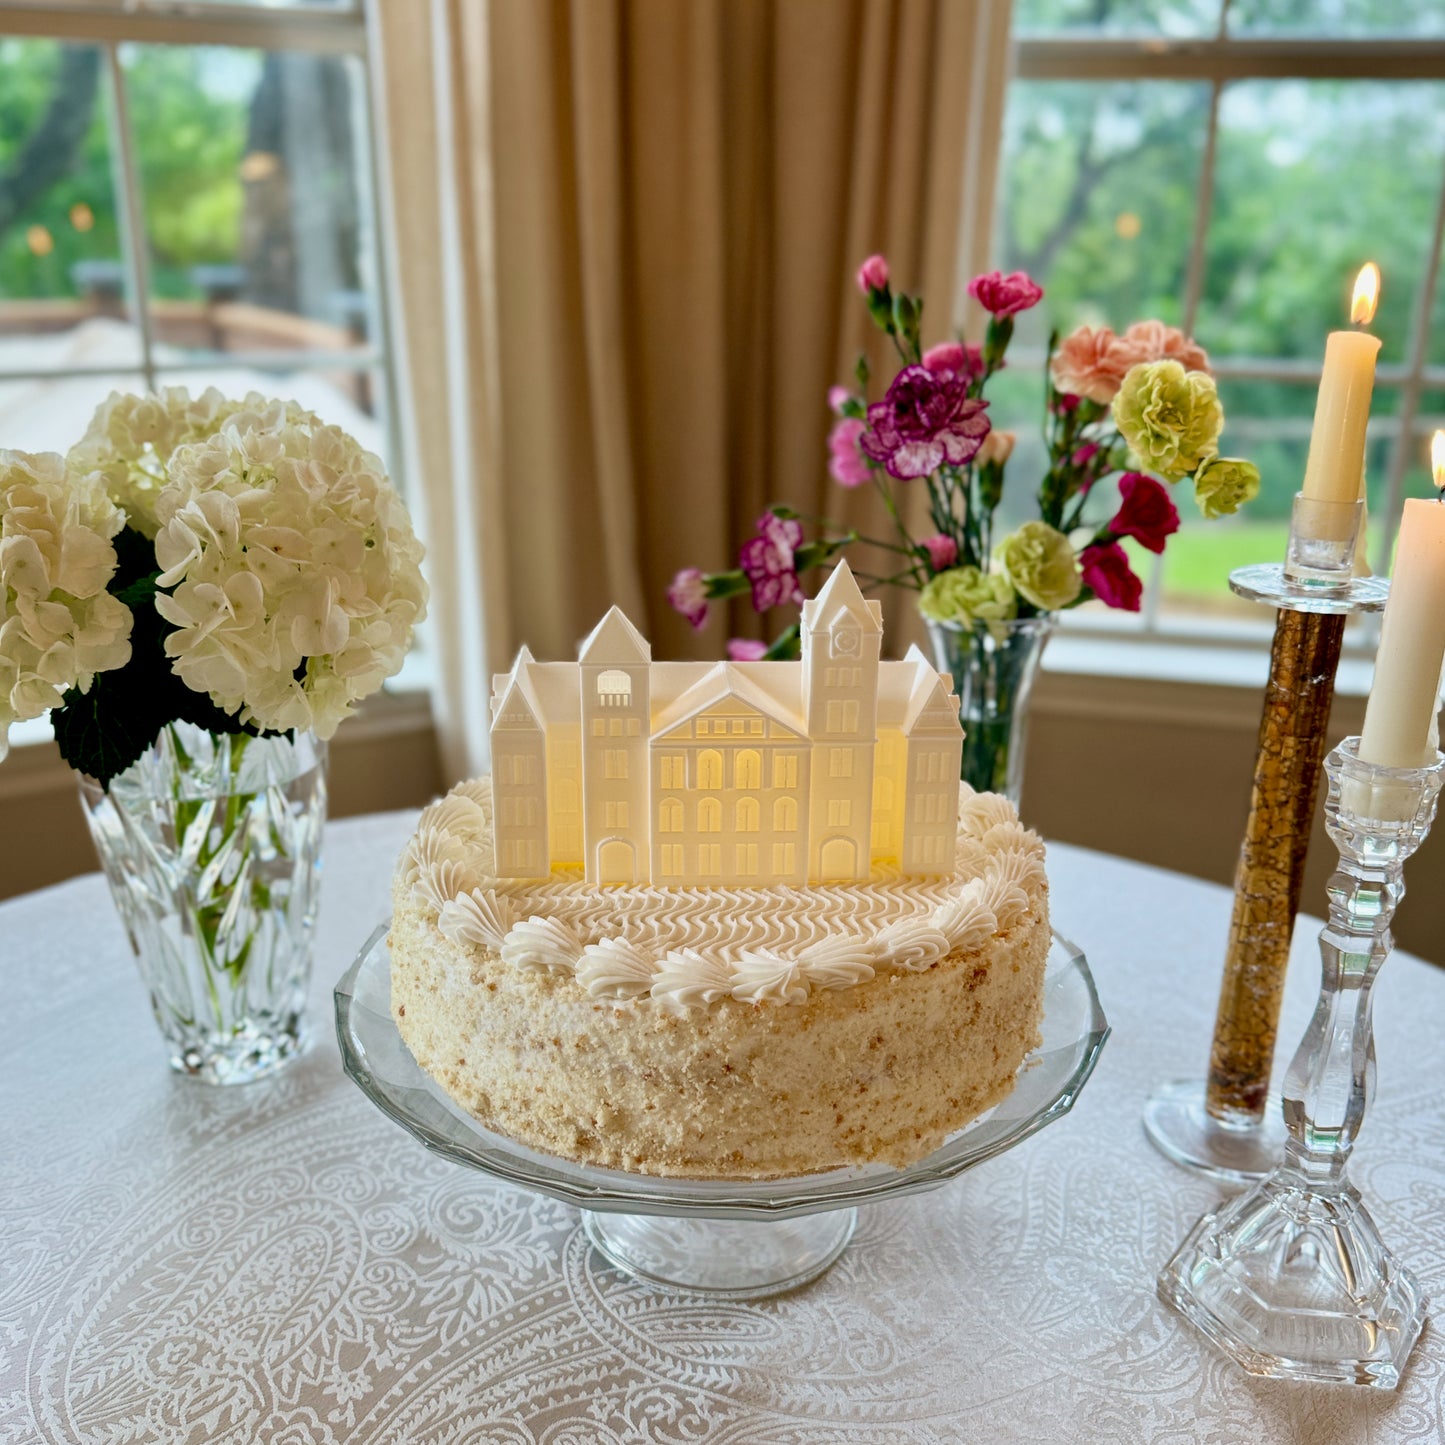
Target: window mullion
[
  {"x": 1410, "y": 391},
  {"x": 132, "y": 209}
]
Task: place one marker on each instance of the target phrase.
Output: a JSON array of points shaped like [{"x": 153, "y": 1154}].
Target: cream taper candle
[{"x": 1406, "y": 691}]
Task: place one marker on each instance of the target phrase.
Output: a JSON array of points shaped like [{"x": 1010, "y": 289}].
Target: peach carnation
[
  {"x": 1154, "y": 341},
  {"x": 1086, "y": 364}
]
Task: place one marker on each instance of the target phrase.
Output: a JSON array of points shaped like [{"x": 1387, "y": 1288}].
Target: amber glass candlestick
[{"x": 1221, "y": 1125}]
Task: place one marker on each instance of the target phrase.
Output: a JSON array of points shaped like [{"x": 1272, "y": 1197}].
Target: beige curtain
[{"x": 652, "y": 211}]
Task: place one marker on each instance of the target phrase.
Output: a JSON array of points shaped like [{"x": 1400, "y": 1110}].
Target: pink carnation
[
  {"x": 768, "y": 561},
  {"x": 745, "y": 649},
  {"x": 942, "y": 551},
  {"x": 926, "y": 419},
  {"x": 688, "y": 593},
  {"x": 847, "y": 465},
  {"x": 1105, "y": 569},
  {"x": 955, "y": 357},
  {"x": 1086, "y": 364},
  {"x": 838, "y": 398},
  {"x": 1006, "y": 295},
  {"x": 873, "y": 274}
]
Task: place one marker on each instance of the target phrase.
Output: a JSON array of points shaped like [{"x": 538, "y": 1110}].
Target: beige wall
[{"x": 1158, "y": 771}]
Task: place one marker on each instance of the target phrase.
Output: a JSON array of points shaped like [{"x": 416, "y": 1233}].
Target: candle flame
[
  {"x": 1367, "y": 295},
  {"x": 1437, "y": 458}
]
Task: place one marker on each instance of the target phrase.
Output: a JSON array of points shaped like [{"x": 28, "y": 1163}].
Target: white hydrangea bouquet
[{"x": 198, "y": 594}]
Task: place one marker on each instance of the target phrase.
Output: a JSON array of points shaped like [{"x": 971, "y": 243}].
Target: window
[
  {"x": 198, "y": 213},
  {"x": 740, "y": 725},
  {"x": 840, "y": 762},
  {"x": 785, "y": 816},
  {"x": 785, "y": 770},
  {"x": 614, "y": 763},
  {"x": 674, "y": 771},
  {"x": 840, "y": 813},
  {"x": 1188, "y": 178},
  {"x": 614, "y": 726},
  {"x": 672, "y": 859},
  {"x": 709, "y": 769},
  {"x": 709, "y": 859},
  {"x": 709, "y": 816},
  {"x": 669, "y": 816},
  {"x": 517, "y": 769},
  {"x": 748, "y": 770},
  {"x": 785, "y": 858},
  {"x": 614, "y": 688},
  {"x": 599, "y": 727},
  {"x": 745, "y": 859},
  {"x": 634, "y": 727},
  {"x": 842, "y": 717},
  {"x": 747, "y": 815},
  {"x": 615, "y": 815},
  {"x": 928, "y": 768}
]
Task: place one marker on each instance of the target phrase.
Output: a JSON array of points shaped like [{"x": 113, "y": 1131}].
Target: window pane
[
  {"x": 1328, "y": 18},
  {"x": 63, "y": 278},
  {"x": 1313, "y": 178},
  {"x": 1117, "y": 17},
  {"x": 250, "y": 165},
  {"x": 1097, "y": 198},
  {"x": 48, "y": 414}
]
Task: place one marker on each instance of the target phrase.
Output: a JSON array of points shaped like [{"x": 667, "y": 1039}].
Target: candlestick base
[
  {"x": 1269, "y": 583},
  {"x": 1184, "y": 1132},
  {"x": 1293, "y": 1281}
]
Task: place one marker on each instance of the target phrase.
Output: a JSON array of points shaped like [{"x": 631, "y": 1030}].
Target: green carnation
[
  {"x": 1224, "y": 484},
  {"x": 964, "y": 594},
  {"x": 1170, "y": 417},
  {"x": 1039, "y": 562}
]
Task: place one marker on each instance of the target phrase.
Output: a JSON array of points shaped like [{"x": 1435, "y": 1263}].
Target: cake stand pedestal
[
  {"x": 725, "y": 1239},
  {"x": 1221, "y": 1125}
]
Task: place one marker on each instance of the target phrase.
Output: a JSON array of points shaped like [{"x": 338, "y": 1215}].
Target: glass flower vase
[
  {"x": 993, "y": 666},
  {"x": 211, "y": 845}
]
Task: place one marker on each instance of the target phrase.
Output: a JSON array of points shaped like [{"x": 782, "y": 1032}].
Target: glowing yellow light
[
  {"x": 81, "y": 216},
  {"x": 1127, "y": 225},
  {"x": 259, "y": 165},
  {"x": 1367, "y": 294},
  {"x": 1437, "y": 458},
  {"x": 40, "y": 241}
]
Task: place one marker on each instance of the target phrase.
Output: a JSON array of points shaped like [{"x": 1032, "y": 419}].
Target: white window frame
[{"x": 1217, "y": 61}]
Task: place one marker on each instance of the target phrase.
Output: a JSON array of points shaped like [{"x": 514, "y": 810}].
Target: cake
[{"x": 734, "y": 920}]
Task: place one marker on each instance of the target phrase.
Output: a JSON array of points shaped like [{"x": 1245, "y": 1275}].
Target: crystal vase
[
  {"x": 1292, "y": 1278},
  {"x": 211, "y": 845},
  {"x": 993, "y": 666}
]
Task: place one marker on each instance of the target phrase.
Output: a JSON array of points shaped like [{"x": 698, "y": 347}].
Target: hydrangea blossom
[
  {"x": 58, "y": 624},
  {"x": 130, "y": 440},
  {"x": 295, "y": 572}
]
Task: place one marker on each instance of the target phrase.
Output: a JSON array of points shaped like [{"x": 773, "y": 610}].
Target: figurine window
[
  {"x": 616, "y": 815},
  {"x": 709, "y": 859},
  {"x": 840, "y": 762},
  {"x": 785, "y": 858},
  {"x": 614, "y": 688},
  {"x": 674, "y": 772},
  {"x": 748, "y": 770},
  {"x": 785, "y": 815},
  {"x": 709, "y": 769},
  {"x": 669, "y": 816},
  {"x": 614, "y": 763},
  {"x": 842, "y": 717},
  {"x": 785, "y": 770},
  {"x": 709, "y": 816},
  {"x": 746, "y": 858},
  {"x": 840, "y": 812},
  {"x": 747, "y": 815},
  {"x": 672, "y": 858}
]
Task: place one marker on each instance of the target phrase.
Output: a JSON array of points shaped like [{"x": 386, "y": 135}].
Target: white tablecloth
[{"x": 279, "y": 1263}]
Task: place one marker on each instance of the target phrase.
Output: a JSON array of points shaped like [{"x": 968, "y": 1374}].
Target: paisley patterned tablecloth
[{"x": 281, "y": 1264}]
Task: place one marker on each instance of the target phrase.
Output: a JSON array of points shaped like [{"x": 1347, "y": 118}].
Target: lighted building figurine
[{"x": 732, "y": 773}]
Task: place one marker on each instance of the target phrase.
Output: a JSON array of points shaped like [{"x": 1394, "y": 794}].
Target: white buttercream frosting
[
  {"x": 692, "y": 946},
  {"x": 478, "y": 917},
  {"x": 615, "y": 968},
  {"x": 542, "y": 944},
  {"x": 766, "y": 978}
]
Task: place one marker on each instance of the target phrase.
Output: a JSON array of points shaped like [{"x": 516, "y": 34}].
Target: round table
[{"x": 279, "y": 1263}]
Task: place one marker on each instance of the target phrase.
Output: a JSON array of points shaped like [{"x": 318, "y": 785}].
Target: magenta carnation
[
  {"x": 767, "y": 559},
  {"x": 954, "y": 356},
  {"x": 838, "y": 398},
  {"x": 1105, "y": 569},
  {"x": 873, "y": 274},
  {"x": 745, "y": 649},
  {"x": 942, "y": 551},
  {"x": 688, "y": 593},
  {"x": 926, "y": 419},
  {"x": 1146, "y": 511},
  {"x": 1006, "y": 295},
  {"x": 847, "y": 465}
]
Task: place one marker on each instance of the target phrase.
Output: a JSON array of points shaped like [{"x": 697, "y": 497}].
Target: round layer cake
[{"x": 723, "y": 1033}]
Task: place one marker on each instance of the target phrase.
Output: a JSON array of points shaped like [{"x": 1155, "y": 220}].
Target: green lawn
[{"x": 1198, "y": 560}]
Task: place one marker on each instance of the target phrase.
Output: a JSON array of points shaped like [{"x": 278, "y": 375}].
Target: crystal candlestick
[
  {"x": 1291, "y": 1278},
  {"x": 1221, "y": 1125}
]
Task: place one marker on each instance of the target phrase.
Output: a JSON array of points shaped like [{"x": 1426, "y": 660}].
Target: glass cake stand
[{"x": 733, "y": 1239}]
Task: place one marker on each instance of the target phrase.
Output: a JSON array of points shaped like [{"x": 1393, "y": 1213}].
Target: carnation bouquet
[
  {"x": 1138, "y": 408},
  {"x": 198, "y": 594}
]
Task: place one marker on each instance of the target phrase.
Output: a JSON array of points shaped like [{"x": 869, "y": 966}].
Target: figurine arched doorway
[
  {"x": 838, "y": 859},
  {"x": 616, "y": 861}
]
